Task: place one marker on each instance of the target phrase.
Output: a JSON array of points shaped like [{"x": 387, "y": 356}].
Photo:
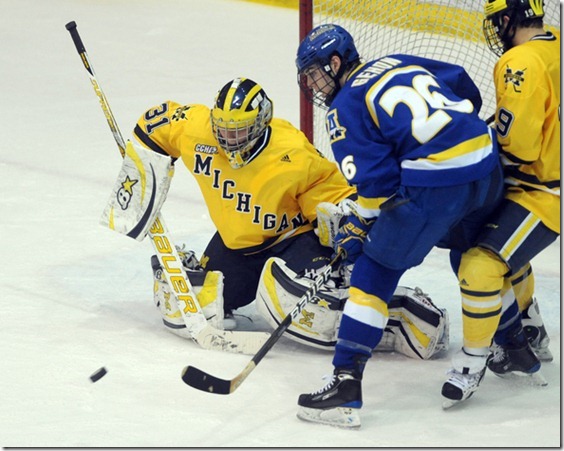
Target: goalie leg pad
[
  {"x": 416, "y": 327},
  {"x": 279, "y": 291},
  {"x": 208, "y": 287}
]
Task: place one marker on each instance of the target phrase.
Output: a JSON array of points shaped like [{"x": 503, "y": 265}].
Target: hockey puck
[{"x": 99, "y": 374}]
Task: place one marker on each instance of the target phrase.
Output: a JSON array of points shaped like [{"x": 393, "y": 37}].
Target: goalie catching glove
[
  {"x": 416, "y": 327},
  {"x": 139, "y": 192}
]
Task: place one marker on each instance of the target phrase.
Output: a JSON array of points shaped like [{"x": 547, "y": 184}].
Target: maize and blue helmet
[
  {"x": 520, "y": 12},
  {"x": 240, "y": 117},
  {"x": 315, "y": 53}
]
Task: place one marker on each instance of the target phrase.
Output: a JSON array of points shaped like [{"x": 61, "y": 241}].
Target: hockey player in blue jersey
[{"x": 405, "y": 131}]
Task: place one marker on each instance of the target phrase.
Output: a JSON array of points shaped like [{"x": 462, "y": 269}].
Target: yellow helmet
[
  {"x": 240, "y": 117},
  {"x": 499, "y": 35}
]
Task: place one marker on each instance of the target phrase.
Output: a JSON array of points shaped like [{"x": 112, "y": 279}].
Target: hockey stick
[
  {"x": 199, "y": 329},
  {"x": 206, "y": 382}
]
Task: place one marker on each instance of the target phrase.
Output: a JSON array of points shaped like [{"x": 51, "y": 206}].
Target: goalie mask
[
  {"x": 240, "y": 117},
  {"x": 316, "y": 78},
  {"x": 499, "y": 33}
]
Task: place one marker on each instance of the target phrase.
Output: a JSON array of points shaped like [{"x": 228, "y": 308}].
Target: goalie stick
[
  {"x": 206, "y": 382},
  {"x": 200, "y": 330}
]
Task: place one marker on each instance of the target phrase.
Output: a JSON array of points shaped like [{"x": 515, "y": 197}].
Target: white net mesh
[{"x": 446, "y": 30}]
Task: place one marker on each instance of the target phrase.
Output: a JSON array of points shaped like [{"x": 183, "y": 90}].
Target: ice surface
[{"x": 76, "y": 297}]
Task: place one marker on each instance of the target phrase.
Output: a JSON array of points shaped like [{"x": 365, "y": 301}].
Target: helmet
[
  {"x": 316, "y": 51},
  {"x": 498, "y": 35},
  {"x": 240, "y": 116}
]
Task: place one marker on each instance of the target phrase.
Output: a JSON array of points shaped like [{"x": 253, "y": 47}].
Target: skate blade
[
  {"x": 450, "y": 403},
  {"x": 544, "y": 355},
  {"x": 342, "y": 417},
  {"x": 536, "y": 379}
]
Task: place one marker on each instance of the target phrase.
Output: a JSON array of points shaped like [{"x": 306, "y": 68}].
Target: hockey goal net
[{"x": 446, "y": 30}]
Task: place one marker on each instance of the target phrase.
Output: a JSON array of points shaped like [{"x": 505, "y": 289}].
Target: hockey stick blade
[{"x": 203, "y": 381}]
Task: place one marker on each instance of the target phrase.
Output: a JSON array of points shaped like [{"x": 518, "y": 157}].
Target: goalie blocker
[{"x": 416, "y": 327}]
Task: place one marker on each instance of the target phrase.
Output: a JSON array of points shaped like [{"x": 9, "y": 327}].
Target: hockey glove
[
  {"x": 351, "y": 236},
  {"x": 329, "y": 219}
]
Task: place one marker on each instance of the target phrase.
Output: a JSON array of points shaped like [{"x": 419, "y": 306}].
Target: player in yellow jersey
[
  {"x": 260, "y": 210},
  {"x": 527, "y": 80}
]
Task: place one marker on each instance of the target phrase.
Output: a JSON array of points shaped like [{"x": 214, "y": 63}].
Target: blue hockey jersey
[{"x": 406, "y": 120}]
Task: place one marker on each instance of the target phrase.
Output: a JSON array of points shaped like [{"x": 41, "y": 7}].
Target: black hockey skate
[
  {"x": 536, "y": 332},
  {"x": 516, "y": 358},
  {"x": 337, "y": 403},
  {"x": 539, "y": 340},
  {"x": 505, "y": 362}
]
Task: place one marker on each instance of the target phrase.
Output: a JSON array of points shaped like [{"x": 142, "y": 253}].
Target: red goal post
[{"x": 446, "y": 30}]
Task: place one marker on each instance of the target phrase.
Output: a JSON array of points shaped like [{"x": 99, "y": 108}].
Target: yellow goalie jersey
[
  {"x": 527, "y": 80},
  {"x": 260, "y": 204}
]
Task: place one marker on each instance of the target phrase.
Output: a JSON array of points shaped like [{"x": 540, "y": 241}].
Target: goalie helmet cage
[{"x": 446, "y": 30}]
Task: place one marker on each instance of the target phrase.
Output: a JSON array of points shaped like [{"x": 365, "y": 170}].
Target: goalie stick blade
[
  {"x": 240, "y": 342},
  {"x": 205, "y": 382}
]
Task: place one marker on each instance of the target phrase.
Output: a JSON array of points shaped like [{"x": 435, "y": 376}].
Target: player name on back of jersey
[{"x": 375, "y": 69}]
